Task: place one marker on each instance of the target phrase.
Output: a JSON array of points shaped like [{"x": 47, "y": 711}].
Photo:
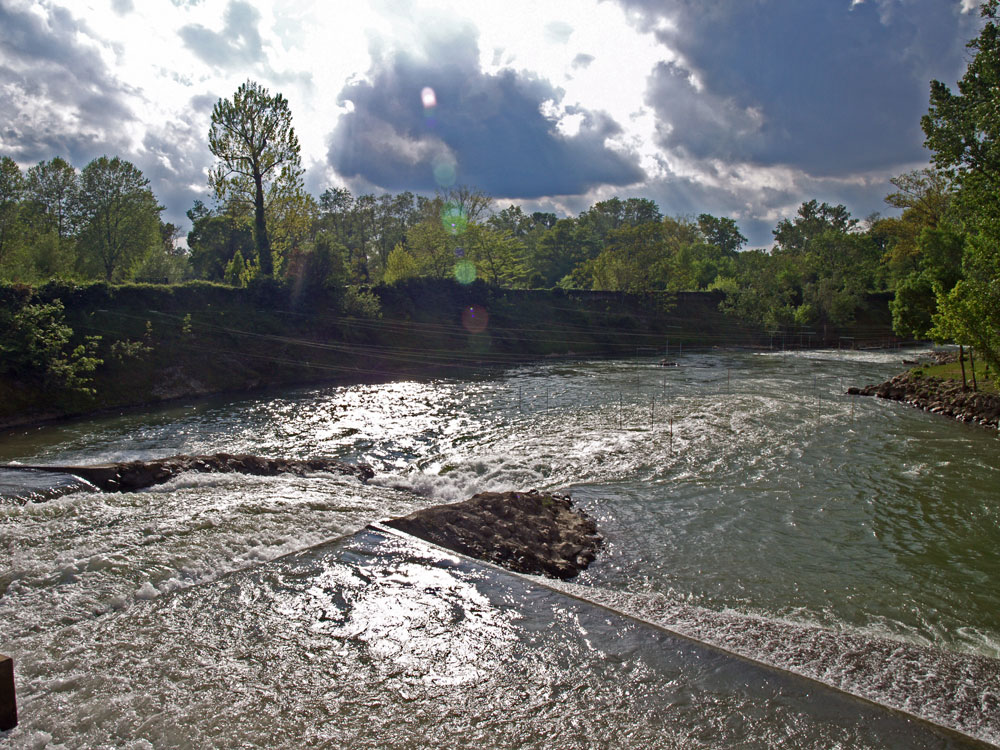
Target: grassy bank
[{"x": 953, "y": 371}]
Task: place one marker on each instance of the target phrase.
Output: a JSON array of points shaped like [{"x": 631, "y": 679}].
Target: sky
[{"x": 738, "y": 108}]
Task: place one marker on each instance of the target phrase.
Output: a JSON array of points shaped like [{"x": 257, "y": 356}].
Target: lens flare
[
  {"x": 453, "y": 219},
  {"x": 428, "y": 98},
  {"x": 465, "y": 272},
  {"x": 475, "y": 319},
  {"x": 445, "y": 171}
]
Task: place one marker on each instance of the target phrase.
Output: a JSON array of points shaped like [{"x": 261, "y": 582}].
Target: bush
[{"x": 35, "y": 343}]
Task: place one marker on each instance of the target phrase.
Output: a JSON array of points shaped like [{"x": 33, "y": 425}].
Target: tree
[
  {"x": 721, "y": 233},
  {"x": 252, "y": 136},
  {"x": 813, "y": 219},
  {"x": 963, "y": 132},
  {"x": 498, "y": 255},
  {"x": 632, "y": 259},
  {"x": 11, "y": 193},
  {"x": 51, "y": 193},
  {"x": 399, "y": 266},
  {"x": 120, "y": 216},
  {"x": 214, "y": 239}
]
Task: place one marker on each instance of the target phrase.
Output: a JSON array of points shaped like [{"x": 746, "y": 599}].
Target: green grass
[{"x": 953, "y": 371}]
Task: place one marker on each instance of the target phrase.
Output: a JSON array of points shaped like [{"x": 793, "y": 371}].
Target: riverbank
[
  {"x": 154, "y": 344},
  {"x": 938, "y": 396}
]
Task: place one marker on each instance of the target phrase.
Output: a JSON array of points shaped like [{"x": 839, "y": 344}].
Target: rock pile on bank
[
  {"x": 527, "y": 532},
  {"x": 129, "y": 476},
  {"x": 937, "y": 396}
]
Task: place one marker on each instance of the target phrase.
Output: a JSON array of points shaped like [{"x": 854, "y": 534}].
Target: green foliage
[
  {"x": 252, "y": 137},
  {"x": 122, "y": 222},
  {"x": 36, "y": 344},
  {"x": 963, "y": 132},
  {"x": 240, "y": 272},
  {"x": 361, "y": 303},
  {"x": 400, "y": 266},
  {"x": 969, "y": 313},
  {"x": 11, "y": 229}
]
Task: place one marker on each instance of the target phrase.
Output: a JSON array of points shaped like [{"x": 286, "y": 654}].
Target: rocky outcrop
[
  {"x": 937, "y": 396},
  {"x": 129, "y": 476},
  {"x": 527, "y": 532}
]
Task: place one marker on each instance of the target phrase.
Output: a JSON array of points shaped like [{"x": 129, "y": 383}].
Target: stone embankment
[
  {"x": 937, "y": 396},
  {"x": 129, "y": 476},
  {"x": 527, "y": 532}
]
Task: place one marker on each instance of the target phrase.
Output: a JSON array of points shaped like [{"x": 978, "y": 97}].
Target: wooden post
[
  {"x": 972, "y": 361},
  {"x": 8, "y": 701}
]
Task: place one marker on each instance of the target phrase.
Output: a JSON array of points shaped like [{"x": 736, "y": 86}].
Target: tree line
[{"x": 939, "y": 259}]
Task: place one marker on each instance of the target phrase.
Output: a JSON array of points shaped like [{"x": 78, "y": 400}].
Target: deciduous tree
[
  {"x": 252, "y": 137},
  {"x": 120, "y": 215}
]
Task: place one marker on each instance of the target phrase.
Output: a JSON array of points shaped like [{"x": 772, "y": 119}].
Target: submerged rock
[
  {"x": 128, "y": 476},
  {"x": 527, "y": 532}
]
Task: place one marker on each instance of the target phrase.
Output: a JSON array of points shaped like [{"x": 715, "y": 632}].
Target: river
[{"x": 750, "y": 508}]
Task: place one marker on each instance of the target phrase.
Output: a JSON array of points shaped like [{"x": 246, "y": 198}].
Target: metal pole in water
[
  {"x": 8, "y": 699},
  {"x": 652, "y": 411},
  {"x": 671, "y": 433},
  {"x": 619, "y": 410}
]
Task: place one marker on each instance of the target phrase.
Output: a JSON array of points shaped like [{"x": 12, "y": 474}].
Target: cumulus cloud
[
  {"x": 60, "y": 99},
  {"x": 239, "y": 42},
  {"x": 489, "y": 127},
  {"x": 832, "y": 88},
  {"x": 55, "y": 90}
]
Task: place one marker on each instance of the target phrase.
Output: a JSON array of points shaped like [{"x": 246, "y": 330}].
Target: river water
[{"x": 769, "y": 539}]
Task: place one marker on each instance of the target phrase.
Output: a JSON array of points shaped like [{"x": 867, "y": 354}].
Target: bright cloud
[{"x": 736, "y": 108}]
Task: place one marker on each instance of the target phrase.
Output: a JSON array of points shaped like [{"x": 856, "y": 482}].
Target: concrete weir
[{"x": 8, "y": 700}]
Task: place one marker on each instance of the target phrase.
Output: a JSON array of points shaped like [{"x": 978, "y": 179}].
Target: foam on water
[
  {"x": 383, "y": 642},
  {"x": 745, "y": 501},
  {"x": 959, "y": 691}
]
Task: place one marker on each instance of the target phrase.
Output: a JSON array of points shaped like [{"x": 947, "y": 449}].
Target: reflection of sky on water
[
  {"x": 384, "y": 642},
  {"x": 436, "y": 626}
]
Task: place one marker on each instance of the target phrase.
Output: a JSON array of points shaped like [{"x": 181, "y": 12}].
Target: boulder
[{"x": 527, "y": 532}]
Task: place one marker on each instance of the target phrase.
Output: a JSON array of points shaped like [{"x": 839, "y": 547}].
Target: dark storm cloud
[
  {"x": 490, "y": 125},
  {"x": 239, "y": 42},
  {"x": 826, "y": 87}
]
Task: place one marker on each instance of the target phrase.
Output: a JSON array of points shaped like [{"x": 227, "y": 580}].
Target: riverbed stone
[{"x": 527, "y": 532}]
